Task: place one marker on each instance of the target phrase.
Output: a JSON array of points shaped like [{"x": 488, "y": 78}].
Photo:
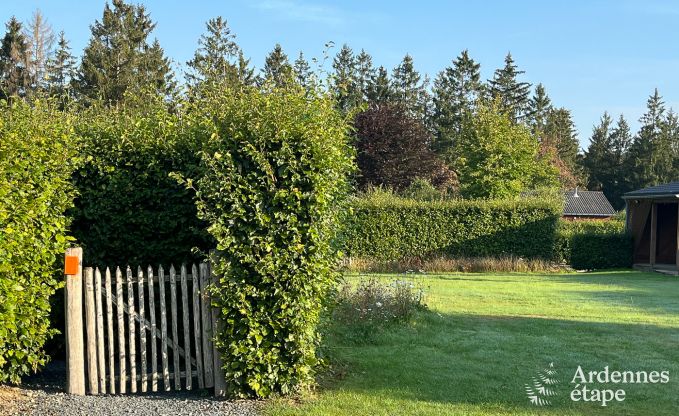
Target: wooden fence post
[
  {"x": 220, "y": 381},
  {"x": 75, "y": 355}
]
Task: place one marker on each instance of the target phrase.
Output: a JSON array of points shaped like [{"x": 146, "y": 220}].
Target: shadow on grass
[{"x": 479, "y": 360}]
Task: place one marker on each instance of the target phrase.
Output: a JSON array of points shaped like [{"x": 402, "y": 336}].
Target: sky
[{"x": 592, "y": 56}]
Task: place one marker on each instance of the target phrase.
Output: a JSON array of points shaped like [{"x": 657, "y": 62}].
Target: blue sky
[{"x": 592, "y": 55}]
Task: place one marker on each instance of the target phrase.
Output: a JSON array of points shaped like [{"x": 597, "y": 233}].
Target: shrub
[
  {"x": 273, "y": 177},
  {"x": 37, "y": 157},
  {"x": 457, "y": 264},
  {"x": 373, "y": 304},
  {"x": 130, "y": 211},
  {"x": 385, "y": 227},
  {"x": 567, "y": 230}
]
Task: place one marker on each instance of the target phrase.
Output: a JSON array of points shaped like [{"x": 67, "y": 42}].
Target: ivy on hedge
[
  {"x": 38, "y": 154},
  {"x": 386, "y": 227},
  {"x": 273, "y": 176}
]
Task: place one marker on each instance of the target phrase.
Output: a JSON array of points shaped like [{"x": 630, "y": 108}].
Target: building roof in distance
[
  {"x": 587, "y": 203},
  {"x": 667, "y": 190}
]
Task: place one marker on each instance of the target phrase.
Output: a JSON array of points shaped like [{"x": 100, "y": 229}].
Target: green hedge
[
  {"x": 37, "y": 157},
  {"x": 567, "y": 230},
  {"x": 130, "y": 210},
  {"x": 601, "y": 251},
  {"x": 385, "y": 227}
]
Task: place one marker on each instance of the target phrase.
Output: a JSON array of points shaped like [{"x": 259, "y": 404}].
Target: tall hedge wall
[
  {"x": 37, "y": 157},
  {"x": 390, "y": 228},
  {"x": 130, "y": 210},
  {"x": 593, "y": 244}
]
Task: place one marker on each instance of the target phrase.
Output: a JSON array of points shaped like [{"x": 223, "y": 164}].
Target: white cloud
[{"x": 305, "y": 12}]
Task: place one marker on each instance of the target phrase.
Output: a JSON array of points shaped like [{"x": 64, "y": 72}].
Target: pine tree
[
  {"x": 40, "y": 39},
  {"x": 560, "y": 130},
  {"x": 456, "y": 90},
  {"x": 616, "y": 181},
  {"x": 345, "y": 80},
  {"x": 597, "y": 159},
  {"x": 512, "y": 93},
  {"x": 302, "y": 70},
  {"x": 645, "y": 150},
  {"x": 539, "y": 108},
  {"x": 380, "y": 89},
  {"x": 61, "y": 69},
  {"x": 365, "y": 72},
  {"x": 218, "y": 57},
  {"x": 13, "y": 61},
  {"x": 277, "y": 68},
  {"x": 118, "y": 57},
  {"x": 410, "y": 90}
]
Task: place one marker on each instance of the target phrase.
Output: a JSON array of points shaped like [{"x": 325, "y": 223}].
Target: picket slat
[
  {"x": 206, "y": 319},
  {"x": 152, "y": 315},
  {"x": 196, "y": 328},
  {"x": 101, "y": 355},
  {"x": 132, "y": 329},
  {"x": 142, "y": 329},
  {"x": 109, "y": 322},
  {"x": 185, "y": 320},
  {"x": 163, "y": 329},
  {"x": 90, "y": 329},
  {"x": 219, "y": 380},
  {"x": 121, "y": 330},
  {"x": 173, "y": 308}
]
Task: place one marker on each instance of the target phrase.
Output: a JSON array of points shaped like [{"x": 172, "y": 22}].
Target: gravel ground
[{"x": 43, "y": 394}]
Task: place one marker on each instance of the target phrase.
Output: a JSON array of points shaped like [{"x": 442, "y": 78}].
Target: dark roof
[
  {"x": 587, "y": 203},
  {"x": 668, "y": 190}
]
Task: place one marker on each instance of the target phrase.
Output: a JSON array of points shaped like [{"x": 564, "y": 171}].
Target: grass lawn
[{"x": 486, "y": 335}]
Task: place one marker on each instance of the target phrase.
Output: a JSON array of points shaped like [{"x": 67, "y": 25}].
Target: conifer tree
[
  {"x": 410, "y": 90},
  {"x": 119, "y": 58},
  {"x": 380, "y": 89},
  {"x": 456, "y": 90},
  {"x": 302, "y": 70},
  {"x": 61, "y": 69},
  {"x": 560, "y": 130},
  {"x": 14, "y": 77},
  {"x": 597, "y": 159},
  {"x": 646, "y": 148},
  {"x": 365, "y": 72},
  {"x": 277, "y": 68},
  {"x": 40, "y": 39},
  {"x": 539, "y": 108},
  {"x": 345, "y": 80},
  {"x": 513, "y": 94},
  {"x": 218, "y": 57}
]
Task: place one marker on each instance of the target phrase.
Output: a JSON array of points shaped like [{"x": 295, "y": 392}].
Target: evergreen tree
[
  {"x": 560, "y": 130},
  {"x": 303, "y": 73},
  {"x": 379, "y": 88},
  {"x": 345, "y": 80},
  {"x": 410, "y": 90},
  {"x": 456, "y": 90},
  {"x": 365, "y": 72},
  {"x": 40, "y": 39},
  {"x": 616, "y": 181},
  {"x": 646, "y": 148},
  {"x": 61, "y": 69},
  {"x": 539, "y": 108},
  {"x": 13, "y": 61},
  {"x": 513, "y": 94},
  {"x": 277, "y": 68},
  {"x": 118, "y": 57},
  {"x": 597, "y": 159},
  {"x": 218, "y": 57},
  {"x": 246, "y": 73}
]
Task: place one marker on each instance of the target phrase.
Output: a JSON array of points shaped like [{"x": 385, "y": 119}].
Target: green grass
[{"x": 484, "y": 337}]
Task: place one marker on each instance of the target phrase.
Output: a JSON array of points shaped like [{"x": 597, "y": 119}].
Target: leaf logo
[{"x": 542, "y": 387}]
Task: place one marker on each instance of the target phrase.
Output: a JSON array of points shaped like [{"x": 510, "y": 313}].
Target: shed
[
  {"x": 586, "y": 205},
  {"x": 653, "y": 221}
]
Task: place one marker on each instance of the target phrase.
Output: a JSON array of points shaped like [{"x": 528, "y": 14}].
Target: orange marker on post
[{"x": 71, "y": 265}]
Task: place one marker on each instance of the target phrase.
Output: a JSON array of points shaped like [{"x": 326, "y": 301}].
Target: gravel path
[{"x": 43, "y": 394}]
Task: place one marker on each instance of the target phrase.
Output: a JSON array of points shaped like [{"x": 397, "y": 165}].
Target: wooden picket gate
[{"x": 145, "y": 330}]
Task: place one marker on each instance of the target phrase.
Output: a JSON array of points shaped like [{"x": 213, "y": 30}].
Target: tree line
[{"x": 458, "y": 133}]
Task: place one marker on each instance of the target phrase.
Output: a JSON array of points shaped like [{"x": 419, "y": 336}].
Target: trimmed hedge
[
  {"x": 37, "y": 158},
  {"x": 592, "y": 244},
  {"x": 384, "y": 227}
]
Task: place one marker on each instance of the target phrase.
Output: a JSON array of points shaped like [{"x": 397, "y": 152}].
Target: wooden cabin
[{"x": 653, "y": 221}]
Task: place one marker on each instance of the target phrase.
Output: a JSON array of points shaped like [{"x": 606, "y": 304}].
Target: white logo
[{"x": 542, "y": 387}]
